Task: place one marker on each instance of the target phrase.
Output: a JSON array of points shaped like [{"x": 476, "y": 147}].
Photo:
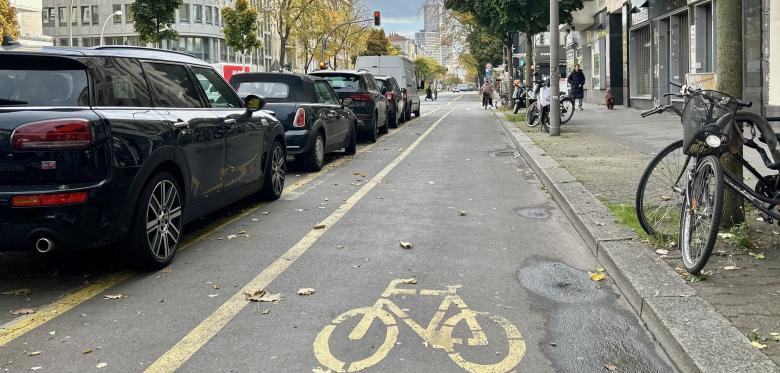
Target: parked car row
[{"x": 126, "y": 145}]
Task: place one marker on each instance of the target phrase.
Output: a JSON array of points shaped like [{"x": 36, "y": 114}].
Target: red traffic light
[{"x": 376, "y": 18}]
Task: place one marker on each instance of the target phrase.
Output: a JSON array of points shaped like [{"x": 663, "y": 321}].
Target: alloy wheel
[
  {"x": 163, "y": 219},
  {"x": 278, "y": 169}
]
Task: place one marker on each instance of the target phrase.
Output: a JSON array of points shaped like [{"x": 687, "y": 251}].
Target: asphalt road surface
[{"x": 434, "y": 250}]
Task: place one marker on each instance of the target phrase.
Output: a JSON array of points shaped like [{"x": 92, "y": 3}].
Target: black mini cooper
[{"x": 108, "y": 144}]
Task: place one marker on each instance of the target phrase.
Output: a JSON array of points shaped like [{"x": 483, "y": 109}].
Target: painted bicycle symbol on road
[{"x": 438, "y": 334}]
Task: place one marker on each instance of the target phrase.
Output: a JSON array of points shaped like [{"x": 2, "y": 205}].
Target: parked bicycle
[
  {"x": 712, "y": 126},
  {"x": 532, "y": 115}
]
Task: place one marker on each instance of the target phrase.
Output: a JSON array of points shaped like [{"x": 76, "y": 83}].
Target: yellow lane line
[
  {"x": 25, "y": 324},
  {"x": 195, "y": 339}
]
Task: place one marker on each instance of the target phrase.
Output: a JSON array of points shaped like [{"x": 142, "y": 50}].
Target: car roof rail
[{"x": 142, "y": 48}]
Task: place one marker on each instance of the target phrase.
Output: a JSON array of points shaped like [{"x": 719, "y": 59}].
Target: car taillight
[
  {"x": 300, "y": 118},
  {"x": 57, "y": 134},
  {"x": 51, "y": 199},
  {"x": 360, "y": 97}
]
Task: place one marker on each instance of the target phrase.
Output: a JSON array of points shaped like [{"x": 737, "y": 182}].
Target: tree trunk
[
  {"x": 729, "y": 73},
  {"x": 282, "y": 48},
  {"x": 511, "y": 69},
  {"x": 529, "y": 53}
]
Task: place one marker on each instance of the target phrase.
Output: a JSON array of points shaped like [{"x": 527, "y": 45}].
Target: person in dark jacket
[
  {"x": 577, "y": 82},
  {"x": 428, "y": 94}
]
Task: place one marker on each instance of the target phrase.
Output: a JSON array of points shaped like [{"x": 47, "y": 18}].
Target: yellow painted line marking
[
  {"x": 438, "y": 334},
  {"x": 25, "y": 324},
  {"x": 195, "y": 339}
]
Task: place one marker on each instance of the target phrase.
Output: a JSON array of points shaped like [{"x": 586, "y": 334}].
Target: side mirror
[
  {"x": 254, "y": 103},
  {"x": 346, "y": 101}
]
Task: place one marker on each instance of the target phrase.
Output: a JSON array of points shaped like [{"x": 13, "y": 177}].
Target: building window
[
  {"x": 643, "y": 65},
  {"x": 117, "y": 8},
  {"x": 95, "y": 15},
  {"x": 704, "y": 39},
  {"x": 198, "y": 13},
  {"x": 209, "y": 15},
  {"x": 184, "y": 13},
  {"x": 86, "y": 16},
  {"x": 128, "y": 13},
  {"x": 48, "y": 17},
  {"x": 596, "y": 67},
  {"x": 63, "y": 42},
  {"x": 62, "y": 17},
  {"x": 217, "y": 21}
]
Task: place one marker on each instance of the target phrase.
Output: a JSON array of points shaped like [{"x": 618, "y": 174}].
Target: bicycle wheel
[
  {"x": 700, "y": 215},
  {"x": 659, "y": 194},
  {"x": 532, "y": 116},
  {"x": 545, "y": 120},
  {"x": 567, "y": 110},
  {"x": 322, "y": 344}
]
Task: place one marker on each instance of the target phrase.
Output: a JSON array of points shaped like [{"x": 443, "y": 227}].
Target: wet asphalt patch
[{"x": 586, "y": 328}]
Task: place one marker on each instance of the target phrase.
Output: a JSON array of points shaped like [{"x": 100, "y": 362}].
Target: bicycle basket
[{"x": 701, "y": 114}]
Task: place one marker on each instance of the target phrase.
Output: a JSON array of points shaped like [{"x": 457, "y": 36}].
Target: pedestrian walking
[
  {"x": 487, "y": 94},
  {"x": 577, "y": 82},
  {"x": 428, "y": 94},
  {"x": 435, "y": 93},
  {"x": 517, "y": 95}
]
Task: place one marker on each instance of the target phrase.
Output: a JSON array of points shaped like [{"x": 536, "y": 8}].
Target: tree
[
  {"x": 240, "y": 28},
  {"x": 288, "y": 14},
  {"x": 428, "y": 69},
  {"x": 377, "y": 44},
  {"x": 8, "y": 20},
  {"x": 153, "y": 19},
  {"x": 729, "y": 73}
]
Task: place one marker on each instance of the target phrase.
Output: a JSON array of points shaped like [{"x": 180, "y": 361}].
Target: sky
[{"x": 398, "y": 16}]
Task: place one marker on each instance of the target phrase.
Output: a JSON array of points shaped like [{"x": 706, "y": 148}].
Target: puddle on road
[
  {"x": 586, "y": 328},
  {"x": 532, "y": 213}
]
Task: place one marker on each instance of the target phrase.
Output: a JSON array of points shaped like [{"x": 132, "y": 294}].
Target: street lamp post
[
  {"x": 70, "y": 24},
  {"x": 117, "y": 13},
  {"x": 555, "y": 76}
]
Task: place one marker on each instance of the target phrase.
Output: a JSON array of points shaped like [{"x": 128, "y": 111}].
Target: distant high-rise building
[
  {"x": 429, "y": 38},
  {"x": 432, "y": 10}
]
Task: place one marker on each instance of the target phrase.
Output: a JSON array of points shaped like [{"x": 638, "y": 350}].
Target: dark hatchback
[
  {"x": 108, "y": 144},
  {"x": 368, "y": 101},
  {"x": 315, "y": 121},
  {"x": 395, "y": 100}
]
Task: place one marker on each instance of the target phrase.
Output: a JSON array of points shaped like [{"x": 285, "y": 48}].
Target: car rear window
[
  {"x": 343, "y": 82},
  {"x": 40, "y": 81},
  {"x": 383, "y": 84},
  {"x": 265, "y": 89}
]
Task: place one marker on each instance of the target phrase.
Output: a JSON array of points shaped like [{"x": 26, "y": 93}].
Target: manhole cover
[{"x": 533, "y": 213}]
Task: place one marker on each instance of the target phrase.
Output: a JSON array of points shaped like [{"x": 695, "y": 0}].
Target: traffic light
[{"x": 376, "y": 18}]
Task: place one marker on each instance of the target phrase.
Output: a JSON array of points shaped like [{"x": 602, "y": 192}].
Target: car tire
[
  {"x": 351, "y": 148},
  {"x": 392, "y": 119},
  {"x": 373, "y": 135},
  {"x": 315, "y": 158},
  {"x": 417, "y": 113},
  {"x": 276, "y": 171},
  {"x": 154, "y": 248},
  {"x": 408, "y": 112},
  {"x": 402, "y": 117}
]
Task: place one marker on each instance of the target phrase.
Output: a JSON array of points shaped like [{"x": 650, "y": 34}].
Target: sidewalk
[{"x": 606, "y": 151}]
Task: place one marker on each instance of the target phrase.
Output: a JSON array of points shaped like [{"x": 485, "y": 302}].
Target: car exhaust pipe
[{"x": 44, "y": 245}]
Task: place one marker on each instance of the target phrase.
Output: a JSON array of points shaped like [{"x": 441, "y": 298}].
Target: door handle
[
  {"x": 181, "y": 124},
  {"x": 230, "y": 121}
]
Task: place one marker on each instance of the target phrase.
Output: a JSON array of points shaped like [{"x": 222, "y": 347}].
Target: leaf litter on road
[
  {"x": 263, "y": 296},
  {"x": 305, "y": 291},
  {"x": 113, "y": 296},
  {"x": 18, "y": 292},
  {"x": 759, "y": 256},
  {"x": 410, "y": 281},
  {"x": 406, "y": 245},
  {"x": 23, "y": 311},
  {"x": 599, "y": 275}
]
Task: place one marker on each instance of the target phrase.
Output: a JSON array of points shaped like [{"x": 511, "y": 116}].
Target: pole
[
  {"x": 70, "y": 24},
  {"x": 103, "y": 30},
  {"x": 555, "y": 76}
]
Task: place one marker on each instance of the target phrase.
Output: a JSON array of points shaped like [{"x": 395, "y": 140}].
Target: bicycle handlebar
[{"x": 650, "y": 112}]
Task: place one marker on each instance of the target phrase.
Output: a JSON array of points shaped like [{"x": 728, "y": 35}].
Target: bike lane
[{"x": 495, "y": 280}]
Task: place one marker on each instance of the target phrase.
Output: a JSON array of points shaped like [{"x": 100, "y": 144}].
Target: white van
[{"x": 400, "y": 68}]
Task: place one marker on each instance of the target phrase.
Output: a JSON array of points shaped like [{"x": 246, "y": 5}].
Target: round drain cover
[{"x": 533, "y": 213}]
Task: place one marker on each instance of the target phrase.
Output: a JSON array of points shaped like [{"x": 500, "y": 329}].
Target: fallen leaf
[
  {"x": 662, "y": 252},
  {"x": 319, "y": 226},
  {"x": 725, "y": 235},
  {"x": 758, "y": 345},
  {"x": 166, "y": 270},
  {"x": 266, "y": 311},
  {"x": 305, "y": 291},
  {"x": 213, "y": 295},
  {"x": 406, "y": 245},
  {"x": 18, "y": 292},
  {"x": 53, "y": 332},
  {"x": 101, "y": 365},
  {"x": 87, "y": 351},
  {"x": 462, "y": 212},
  {"x": 731, "y": 268},
  {"x": 666, "y": 198},
  {"x": 264, "y": 213},
  {"x": 263, "y": 296},
  {"x": 758, "y": 256},
  {"x": 410, "y": 281},
  {"x": 36, "y": 368},
  {"x": 23, "y": 311},
  {"x": 231, "y": 236},
  {"x": 112, "y": 296},
  {"x": 597, "y": 276},
  {"x": 610, "y": 367},
  {"x": 215, "y": 286},
  {"x": 431, "y": 182},
  {"x": 33, "y": 353}
]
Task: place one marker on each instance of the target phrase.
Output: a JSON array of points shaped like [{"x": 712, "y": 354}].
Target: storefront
[
  {"x": 641, "y": 59},
  {"x": 673, "y": 41}
]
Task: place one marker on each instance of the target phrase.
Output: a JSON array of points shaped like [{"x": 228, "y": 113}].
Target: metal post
[
  {"x": 103, "y": 30},
  {"x": 555, "y": 76},
  {"x": 70, "y": 24}
]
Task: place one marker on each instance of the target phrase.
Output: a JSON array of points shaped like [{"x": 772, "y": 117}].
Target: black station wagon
[{"x": 108, "y": 144}]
